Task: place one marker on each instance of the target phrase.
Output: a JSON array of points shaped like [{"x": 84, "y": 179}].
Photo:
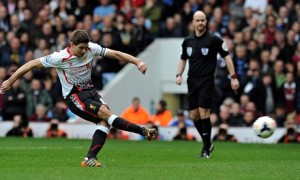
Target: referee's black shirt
[{"x": 202, "y": 53}]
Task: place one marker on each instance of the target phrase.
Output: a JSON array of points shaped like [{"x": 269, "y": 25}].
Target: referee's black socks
[
  {"x": 206, "y": 132},
  {"x": 198, "y": 125}
]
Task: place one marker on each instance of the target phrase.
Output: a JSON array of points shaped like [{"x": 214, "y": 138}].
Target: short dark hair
[{"x": 79, "y": 36}]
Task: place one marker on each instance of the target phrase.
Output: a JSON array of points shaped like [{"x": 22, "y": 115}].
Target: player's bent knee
[{"x": 104, "y": 113}]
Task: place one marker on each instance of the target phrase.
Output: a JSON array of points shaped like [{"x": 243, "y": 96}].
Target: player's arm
[
  {"x": 20, "y": 72},
  {"x": 234, "y": 81},
  {"x": 113, "y": 54},
  {"x": 180, "y": 70}
]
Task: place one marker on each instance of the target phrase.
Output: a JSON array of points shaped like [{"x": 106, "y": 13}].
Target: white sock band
[
  {"x": 111, "y": 119},
  {"x": 103, "y": 128}
]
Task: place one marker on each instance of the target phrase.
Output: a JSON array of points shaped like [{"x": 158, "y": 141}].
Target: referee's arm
[
  {"x": 234, "y": 81},
  {"x": 180, "y": 69}
]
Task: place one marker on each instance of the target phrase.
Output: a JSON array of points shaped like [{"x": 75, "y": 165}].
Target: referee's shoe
[{"x": 207, "y": 153}]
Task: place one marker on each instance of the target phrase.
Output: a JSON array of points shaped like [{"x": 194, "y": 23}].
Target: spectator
[
  {"x": 14, "y": 55},
  {"x": 136, "y": 113},
  {"x": 40, "y": 114},
  {"x": 249, "y": 118},
  {"x": 280, "y": 114},
  {"x": 163, "y": 116},
  {"x": 152, "y": 11},
  {"x": 58, "y": 26},
  {"x": 170, "y": 29},
  {"x": 104, "y": 10},
  {"x": 253, "y": 78},
  {"x": 60, "y": 111},
  {"x": 236, "y": 117},
  {"x": 15, "y": 130},
  {"x": 241, "y": 62},
  {"x": 20, "y": 128},
  {"x": 15, "y": 25},
  {"x": 279, "y": 74},
  {"x": 183, "y": 135},
  {"x": 26, "y": 82},
  {"x": 140, "y": 19},
  {"x": 82, "y": 8},
  {"x": 289, "y": 89},
  {"x": 14, "y": 102},
  {"x": 3, "y": 76},
  {"x": 71, "y": 22},
  {"x": 27, "y": 23},
  {"x": 63, "y": 10},
  {"x": 236, "y": 11},
  {"x": 181, "y": 119},
  {"x": 36, "y": 5},
  {"x": 223, "y": 135},
  {"x": 22, "y": 4},
  {"x": 4, "y": 19},
  {"x": 54, "y": 131},
  {"x": 36, "y": 96},
  {"x": 291, "y": 136},
  {"x": 26, "y": 43},
  {"x": 266, "y": 96},
  {"x": 258, "y": 7},
  {"x": 296, "y": 56},
  {"x": 224, "y": 115},
  {"x": 110, "y": 67},
  {"x": 187, "y": 16}
]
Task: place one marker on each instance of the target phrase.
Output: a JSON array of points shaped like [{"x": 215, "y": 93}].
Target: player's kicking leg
[{"x": 122, "y": 124}]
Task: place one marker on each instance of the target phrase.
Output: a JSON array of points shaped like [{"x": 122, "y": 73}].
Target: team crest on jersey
[
  {"x": 204, "y": 51},
  {"x": 92, "y": 107},
  {"x": 189, "y": 51}
]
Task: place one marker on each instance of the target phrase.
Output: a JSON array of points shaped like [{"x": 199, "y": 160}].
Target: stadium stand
[{"x": 264, "y": 43}]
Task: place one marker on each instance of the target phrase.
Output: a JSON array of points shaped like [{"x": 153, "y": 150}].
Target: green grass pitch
[{"x": 60, "y": 159}]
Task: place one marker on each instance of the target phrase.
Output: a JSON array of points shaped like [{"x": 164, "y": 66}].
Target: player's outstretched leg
[
  {"x": 122, "y": 124},
  {"x": 98, "y": 141}
]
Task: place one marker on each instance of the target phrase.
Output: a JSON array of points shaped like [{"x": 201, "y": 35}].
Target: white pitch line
[{"x": 40, "y": 148}]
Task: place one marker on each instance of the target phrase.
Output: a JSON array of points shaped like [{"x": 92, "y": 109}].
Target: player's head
[
  {"x": 79, "y": 42},
  {"x": 199, "y": 21}
]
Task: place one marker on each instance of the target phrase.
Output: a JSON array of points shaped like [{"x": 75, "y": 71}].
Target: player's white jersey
[{"x": 72, "y": 70}]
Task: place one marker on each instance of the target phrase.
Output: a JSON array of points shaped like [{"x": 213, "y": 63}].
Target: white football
[{"x": 264, "y": 126}]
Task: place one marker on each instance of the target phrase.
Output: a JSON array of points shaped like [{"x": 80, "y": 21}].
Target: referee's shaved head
[
  {"x": 199, "y": 22},
  {"x": 199, "y": 14}
]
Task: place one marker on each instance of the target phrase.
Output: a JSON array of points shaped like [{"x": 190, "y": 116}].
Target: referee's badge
[
  {"x": 189, "y": 51},
  {"x": 204, "y": 51}
]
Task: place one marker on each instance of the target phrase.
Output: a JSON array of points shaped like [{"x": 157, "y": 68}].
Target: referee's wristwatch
[
  {"x": 178, "y": 75},
  {"x": 233, "y": 76}
]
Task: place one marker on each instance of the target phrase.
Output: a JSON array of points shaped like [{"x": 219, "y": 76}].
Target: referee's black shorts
[
  {"x": 85, "y": 104},
  {"x": 200, "y": 92}
]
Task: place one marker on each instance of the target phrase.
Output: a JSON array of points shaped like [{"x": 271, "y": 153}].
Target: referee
[{"x": 201, "y": 49}]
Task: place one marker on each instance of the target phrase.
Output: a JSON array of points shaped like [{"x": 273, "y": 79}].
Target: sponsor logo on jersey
[
  {"x": 189, "y": 51},
  {"x": 204, "y": 51}
]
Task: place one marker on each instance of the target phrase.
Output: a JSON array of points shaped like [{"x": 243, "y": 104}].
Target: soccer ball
[{"x": 264, "y": 126}]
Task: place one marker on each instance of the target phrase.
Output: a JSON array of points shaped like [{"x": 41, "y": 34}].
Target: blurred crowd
[{"x": 262, "y": 37}]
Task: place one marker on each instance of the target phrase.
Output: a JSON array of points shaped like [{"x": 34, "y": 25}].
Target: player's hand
[
  {"x": 179, "y": 80},
  {"x": 235, "y": 84},
  {"x": 142, "y": 67},
  {"x": 5, "y": 87}
]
